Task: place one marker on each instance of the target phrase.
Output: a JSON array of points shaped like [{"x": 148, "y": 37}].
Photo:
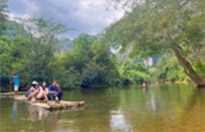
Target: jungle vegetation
[
  {"x": 171, "y": 30},
  {"x": 154, "y": 27}
]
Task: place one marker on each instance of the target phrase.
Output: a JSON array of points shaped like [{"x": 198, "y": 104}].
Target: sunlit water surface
[{"x": 165, "y": 108}]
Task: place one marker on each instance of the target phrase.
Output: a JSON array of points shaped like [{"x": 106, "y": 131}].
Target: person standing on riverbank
[{"x": 16, "y": 84}]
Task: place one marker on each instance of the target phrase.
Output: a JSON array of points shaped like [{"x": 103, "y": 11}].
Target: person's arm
[
  {"x": 11, "y": 79},
  {"x": 46, "y": 90},
  {"x": 38, "y": 88},
  {"x": 59, "y": 88},
  {"x": 51, "y": 92},
  {"x": 31, "y": 88}
]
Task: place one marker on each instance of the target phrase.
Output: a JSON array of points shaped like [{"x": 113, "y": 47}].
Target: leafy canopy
[{"x": 156, "y": 26}]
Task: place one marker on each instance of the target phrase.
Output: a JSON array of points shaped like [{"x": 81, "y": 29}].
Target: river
[{"x": 164, "y": 108}]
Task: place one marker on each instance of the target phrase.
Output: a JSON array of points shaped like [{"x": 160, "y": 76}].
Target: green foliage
[
  {"x": 15, "y": 29},
  {"x": 200, "y": 67},
  {"x": 3, "y": 16},
  {"x": 5, "y": 60},
  {"x": 10, "y": 55},
  {"x": 168, "y": 69},
  {"x": 156, "y": 27},
  {"x": 90, "y": 61},
  {"x": 133, "y": 72},
  {"x": 32, "y": 48},
  {"x": 40, "y": 52},
  {"x": 29, "y": 55}
]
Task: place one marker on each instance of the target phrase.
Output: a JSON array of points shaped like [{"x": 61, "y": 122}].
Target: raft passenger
[
  {"x": 33, "y": 91},
  {"x": 43, "y": 92},
  {"x": 55, "y": 92}
]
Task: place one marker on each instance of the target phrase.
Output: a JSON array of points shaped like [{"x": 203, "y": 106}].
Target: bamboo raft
[
  {"x": 7, "y": 94},
  {"x": 62, "y": 105}
]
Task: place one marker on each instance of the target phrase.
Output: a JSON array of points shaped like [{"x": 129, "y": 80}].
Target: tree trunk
[{"x": 199, "y": 81}]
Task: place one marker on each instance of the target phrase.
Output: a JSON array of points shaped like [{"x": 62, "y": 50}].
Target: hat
[{"x": 34, "y": 82}]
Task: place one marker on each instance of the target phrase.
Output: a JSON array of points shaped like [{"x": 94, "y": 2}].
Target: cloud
[{"x": 83, "y": 16}]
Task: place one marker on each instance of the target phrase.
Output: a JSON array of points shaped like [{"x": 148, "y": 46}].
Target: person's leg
[
  {"x": 30, "y": 94},
  {"x": 51, "y": 97},
  {"x": 27, "y": 94},
  {"x": 34, "y": 93},
  {"x": 16, "y": 90},
  {"x": 33, "y": 100},
  {"x": 40, "y": 96},
  {"x": 33, "y": 96},
  {"x": 45, "y": 95},
  {"x": 16, "y": 93},
  {"x": 60, "y": 95}
]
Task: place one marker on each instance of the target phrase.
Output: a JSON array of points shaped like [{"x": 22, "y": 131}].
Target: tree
[
  {"x": 30, "y": 53},
  {"x": 41, "y": 50},
  {"x": 15, "y": 29},
  {"x": 90, "y": 61},
  {"x": 11, "y": 53},
  {"x": 168, "y": 68},
  {"x": 5, "y": 60},
  {"x": 3, "y": 16},
  {"x": 134, "y": 73},
  {"x": 105, "y": 63},
  {"x": 156, "y": 27}
]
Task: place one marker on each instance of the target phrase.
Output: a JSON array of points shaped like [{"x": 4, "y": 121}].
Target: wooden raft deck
[
  {"x": 57, "y": 106},
  {"x": 5, "y": 94}
]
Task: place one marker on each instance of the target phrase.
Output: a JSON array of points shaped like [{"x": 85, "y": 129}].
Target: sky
[{"x": 81, "y": 16}]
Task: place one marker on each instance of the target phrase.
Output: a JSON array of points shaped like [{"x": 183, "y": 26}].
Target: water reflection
[
  {"x": 167, "y": 108},
  {"x": 144, "y": 89},
  {"x": 150, "y": 99},
  {"x": 194, "y": 114},
  {"x": 15, "y": 109},
  {"x": 46, "y": 119},
  {"x": 118, "y": 121},
  {"x": 37, "y": 113},
  {"x": 197, "y": 97},
  {"x": 153, "y": 102}
]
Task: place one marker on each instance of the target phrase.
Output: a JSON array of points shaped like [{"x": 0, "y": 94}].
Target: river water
[{"x": 164, "y": 108}]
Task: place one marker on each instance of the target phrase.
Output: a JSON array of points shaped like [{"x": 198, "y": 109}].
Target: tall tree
[
  {"x": 154, "y": 27},
  {"x": 3, "y": 7},
  {"x": 41, "y": 49}
]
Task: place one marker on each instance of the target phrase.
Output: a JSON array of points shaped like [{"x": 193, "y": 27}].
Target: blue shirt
[
  {"x": 54, "y": 89},
  {"x": 16, "y": 80}
]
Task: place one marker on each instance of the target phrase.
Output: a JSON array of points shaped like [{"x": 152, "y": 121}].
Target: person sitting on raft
[
  {"x": 55, "y": 92},
  {"x": 43, "y": 92},
  {"x": 33, "y": 91}
]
